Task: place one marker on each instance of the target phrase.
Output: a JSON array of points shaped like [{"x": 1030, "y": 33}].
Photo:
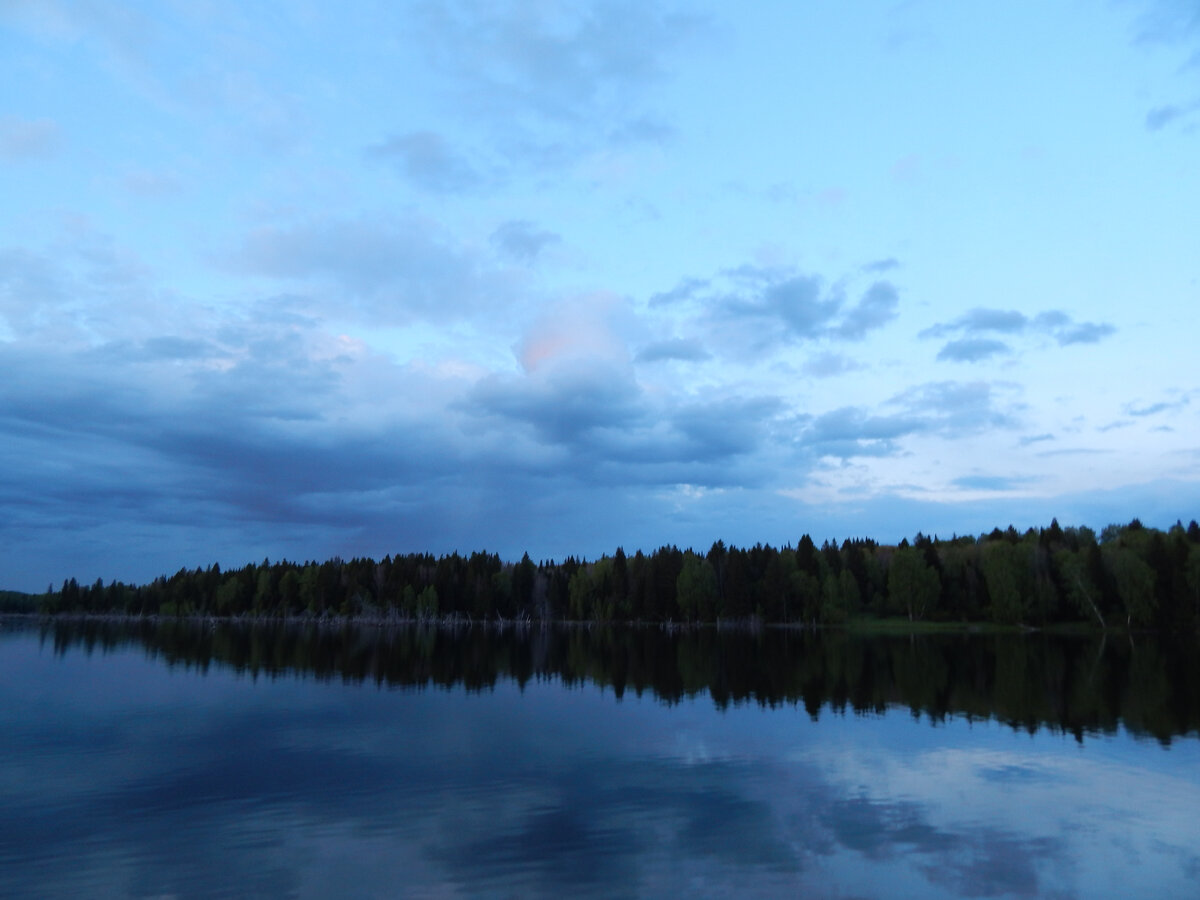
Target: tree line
[{"x": 1130, "y": 576}]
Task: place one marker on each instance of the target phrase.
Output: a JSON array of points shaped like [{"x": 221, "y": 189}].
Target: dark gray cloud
[
  {"x": 567, "y": 405},
  {"x": 522, "y": 241},
  {"x": 428, "y": 161},
  {"x": 28, "y": 139},
  {"x": 603, "y": 428},
  {"x": 974, "y": 327},
  {"x": 723, "y": 428},
  {"x": 392, "y": 270},
  {"x": 682, "y": 349}
]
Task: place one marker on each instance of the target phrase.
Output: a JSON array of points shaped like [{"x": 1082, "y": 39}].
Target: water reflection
[
  {"x": 221, "y": 775},
  {"x": 1076, "y": 684}
]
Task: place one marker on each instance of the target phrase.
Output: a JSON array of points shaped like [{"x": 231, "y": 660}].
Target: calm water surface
[{"x": 184, "y": 762}]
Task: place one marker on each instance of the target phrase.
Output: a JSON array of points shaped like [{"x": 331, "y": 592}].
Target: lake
[{"x": 172, "y": 759}]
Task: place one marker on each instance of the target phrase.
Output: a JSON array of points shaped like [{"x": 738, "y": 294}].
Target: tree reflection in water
[{"x": 1073, "y": 684}]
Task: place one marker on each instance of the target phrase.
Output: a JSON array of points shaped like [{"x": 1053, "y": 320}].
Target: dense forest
[{"x": 1128, "y": 576}]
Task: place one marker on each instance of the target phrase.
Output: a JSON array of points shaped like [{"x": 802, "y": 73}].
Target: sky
[{"x": 297, "y": 280}]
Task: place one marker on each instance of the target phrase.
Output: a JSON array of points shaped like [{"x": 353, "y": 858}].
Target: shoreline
[{"x": 857, "y": 627}]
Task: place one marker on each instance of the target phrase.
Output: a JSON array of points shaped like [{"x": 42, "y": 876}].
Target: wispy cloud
[
  {"x": 1162, "y": 116},
  {"x": 29, "y": 139},
  {"x": 1035, "y": 439},
  {"x": 428, "y": 161},
  {"x": 680, "y": 349},
  {"x": 829, "y": 365},
  {"x": 748, "y": 309},
  {"x": 521, "y": 240},
  {"x": 998, "y": 483},
  {"x": 390, "y": 269},
  {"x": 973, "y": 326},
  {"x": 972, "y": 349},
  {"x": 552, "y": 82},
  {"x": 947, "y": 409}
]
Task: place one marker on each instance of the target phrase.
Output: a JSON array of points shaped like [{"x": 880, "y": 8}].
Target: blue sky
[{"x": 305, "y": 279}]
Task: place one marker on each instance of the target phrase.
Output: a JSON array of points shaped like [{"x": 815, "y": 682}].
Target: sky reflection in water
[{"x": 121, "y": 776}]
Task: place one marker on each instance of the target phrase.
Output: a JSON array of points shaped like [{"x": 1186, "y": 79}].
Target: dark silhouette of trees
[{"x": 1130, "y": 576}]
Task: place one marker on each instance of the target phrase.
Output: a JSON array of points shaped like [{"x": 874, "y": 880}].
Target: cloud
[
  {"x": 976, "y": 324},
  {"x": 751, "y": 307},
  {"x": 795, "y": 301},
  {"x": 882, "y": 265},
  {"x": 1083, "y": 333},
  {"x": 586, "y": 327},
  {"x": 1162, "y": 116},
  {"x": 1035, "y": 439},
  {"x": 29, "y": 139},
  {"x": 946, "y": 409},
  {"x": 426, "y": 159},
  {"x": 566, "y": 64},
  {"x": 827, "y": 365},
  {"x": 687, "y": 289},
  {"x": 31, "y": 289},
  {"x": 954, "y": 408},
  {"x": 972, "y": 349},
  {"x": 522, "y": 241},
  {"x": 551, "y": 83},
  {"x": 388, "y": 269},
  {"x": 564, "y": 406},
  {"x": 988, "y": 482},
  {"x": 1162, "y": 406},
  {"x": 853, "y": 432},
  {"x": 83, "y": 287},
  {"x": 876, "y": 308},
  {"x": 727, "y": 427},
  {"x": 981, "y": 320},
  {"x": 681, "y": 349}
]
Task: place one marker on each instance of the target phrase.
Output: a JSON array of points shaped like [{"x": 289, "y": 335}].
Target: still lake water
[{"x": 184, "y": 761}]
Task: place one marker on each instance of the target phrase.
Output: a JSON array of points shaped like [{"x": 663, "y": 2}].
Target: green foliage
[
  {"x": 696, "y": 589},
  {"x": 913, "y": 584},
  {"x": 1005, "y": 572}
]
